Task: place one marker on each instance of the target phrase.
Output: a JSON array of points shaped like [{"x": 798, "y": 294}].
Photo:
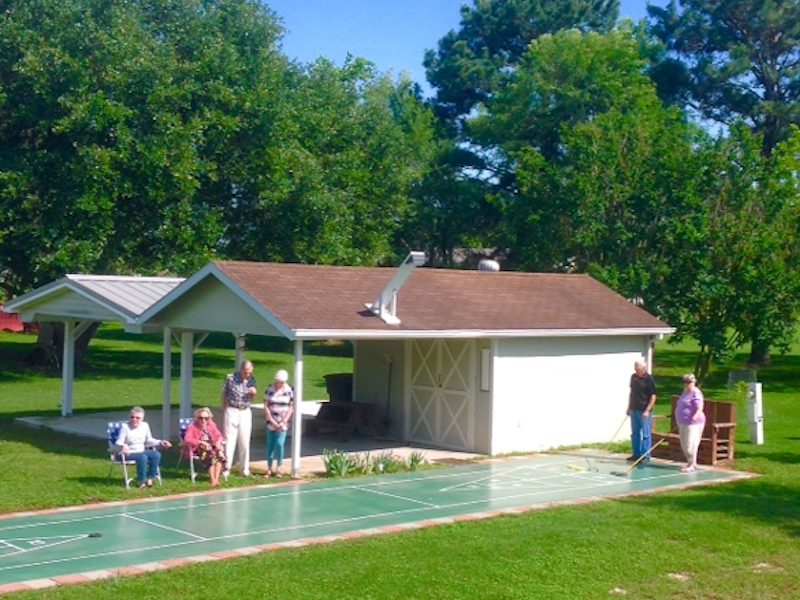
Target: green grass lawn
[{"x": 733, "y": 541}]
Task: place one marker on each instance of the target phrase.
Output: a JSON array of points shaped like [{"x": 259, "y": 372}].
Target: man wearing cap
[
  {"x": 278, "y": 409},
  {"x": 640, "y": 409},
  {"x": 238, "y": 392}
]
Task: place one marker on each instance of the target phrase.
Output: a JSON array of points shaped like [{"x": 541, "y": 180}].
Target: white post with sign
[{"x": 755, "y": 413}]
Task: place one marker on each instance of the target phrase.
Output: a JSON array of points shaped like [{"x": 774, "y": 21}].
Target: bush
[{"x": 343, "y": 464}]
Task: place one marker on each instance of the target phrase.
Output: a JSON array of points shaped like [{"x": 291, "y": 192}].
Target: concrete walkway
[{"x": 93, "y": 425}]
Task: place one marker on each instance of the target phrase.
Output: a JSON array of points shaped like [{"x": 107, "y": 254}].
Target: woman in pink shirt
[{"x": 204, "y": 439}]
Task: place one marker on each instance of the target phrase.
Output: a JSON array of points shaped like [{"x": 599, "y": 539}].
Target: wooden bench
[
  {"x": 343, "y": 417},
  {"x": 717, "y": 443}
]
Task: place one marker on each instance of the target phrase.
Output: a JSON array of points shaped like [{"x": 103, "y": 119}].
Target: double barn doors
[{"x": 441, "y": 411}]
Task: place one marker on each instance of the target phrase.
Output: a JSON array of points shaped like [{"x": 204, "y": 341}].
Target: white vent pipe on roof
[{"x": 385, "y": 306}]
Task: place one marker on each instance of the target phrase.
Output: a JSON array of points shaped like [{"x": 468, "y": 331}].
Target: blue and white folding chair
[
  {"x": 117, "y": 458},
  {"x": 187, "y": 451}
]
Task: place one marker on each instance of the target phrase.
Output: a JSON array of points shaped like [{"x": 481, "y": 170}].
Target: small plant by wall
[{"x": 344, "y": 464}]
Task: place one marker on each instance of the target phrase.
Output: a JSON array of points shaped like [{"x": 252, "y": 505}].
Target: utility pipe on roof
[{"x": 385, "y": 306}]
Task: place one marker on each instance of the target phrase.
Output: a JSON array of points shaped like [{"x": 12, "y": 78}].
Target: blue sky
[{"x": 393, "y": 34}]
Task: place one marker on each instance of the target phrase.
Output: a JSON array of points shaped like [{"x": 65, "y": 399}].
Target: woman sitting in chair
[
  {"x": 204, "y": 440},
  {"x": 139, "y": 445}
]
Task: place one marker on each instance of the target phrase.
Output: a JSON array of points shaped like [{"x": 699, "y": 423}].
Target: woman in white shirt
[
  {"x": 278, "y": 409},
  {"x": 138, "y": 444}
]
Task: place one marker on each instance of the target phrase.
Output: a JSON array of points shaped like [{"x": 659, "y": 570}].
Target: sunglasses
[{"x": 204, "y": 418}]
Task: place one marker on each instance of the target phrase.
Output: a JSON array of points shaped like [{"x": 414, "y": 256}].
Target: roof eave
[
  {"x": 26, "y": 305},
  {"x": 149, "y": 318},
  {"x": 385, "y": 334}
]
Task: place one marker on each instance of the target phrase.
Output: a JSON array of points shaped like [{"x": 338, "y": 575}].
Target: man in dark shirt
[{"x": 640, "y": 409}]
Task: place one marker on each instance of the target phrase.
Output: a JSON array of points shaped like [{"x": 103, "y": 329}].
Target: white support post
[
  {"x": 67, "y": 369},
  {"x": 72, "y": 331},
  {"x": 240, "y": 348},
  {"x": 166, "y": 407},
  {"x": 755, "y": 412},
  {"x": 297, "y": 424},
  {"x": 407, "y": 353},
  {"x": 187, "y": 360}
]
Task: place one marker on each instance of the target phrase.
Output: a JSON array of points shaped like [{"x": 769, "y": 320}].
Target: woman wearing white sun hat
[
  {"x": 278, "y": 409},
  {"x": 691, "y": 420}
]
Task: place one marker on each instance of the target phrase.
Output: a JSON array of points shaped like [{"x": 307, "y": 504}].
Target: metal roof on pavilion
[{"x": 93, "y": 297}]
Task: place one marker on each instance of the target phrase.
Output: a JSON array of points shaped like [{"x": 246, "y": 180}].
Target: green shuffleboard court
[{"x": 52, "y": 546}]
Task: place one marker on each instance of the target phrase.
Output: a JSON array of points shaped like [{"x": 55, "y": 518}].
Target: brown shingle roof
[{"x": 315, "y": 297}]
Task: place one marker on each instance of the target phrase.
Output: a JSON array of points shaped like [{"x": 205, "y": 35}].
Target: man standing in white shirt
[{"x": 238, "y": 393}]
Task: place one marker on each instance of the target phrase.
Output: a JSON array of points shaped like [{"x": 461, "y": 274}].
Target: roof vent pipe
[
  {"x": 488, "y": 264},
  {"x": 385, "y": 306}
]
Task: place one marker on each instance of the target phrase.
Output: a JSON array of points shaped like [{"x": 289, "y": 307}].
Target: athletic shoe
[
  {"x": 631, "y": 458},
  {"x": 691, "y": 469},
  {"x": 245, "y": 473},
  {"x": 226, "y": 473}
]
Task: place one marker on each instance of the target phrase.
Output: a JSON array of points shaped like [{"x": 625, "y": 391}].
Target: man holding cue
[{"x": 640, "y": 409}]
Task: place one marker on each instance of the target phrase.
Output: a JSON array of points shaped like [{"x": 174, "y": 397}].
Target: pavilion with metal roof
[{"x": 77, "y": 301}]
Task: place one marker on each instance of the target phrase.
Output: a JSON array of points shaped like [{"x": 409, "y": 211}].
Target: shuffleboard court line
[
  {"x": 62, "y": 539},
  {"x": 518, "y": 487},
  {"x": 213, "y": 539},
  {"x": 250, "y": 498},
  {"x": 606, "y": 481},
  {"x": 8, "y": 544},
  {"x": 397, "y": 497},
  {"x": 543, "y": 479},
  {"x": 309, "y": 526},
  {"x": 167, "y": 528}
]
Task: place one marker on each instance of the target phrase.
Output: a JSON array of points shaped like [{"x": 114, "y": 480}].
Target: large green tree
[
  {"x": 610, "y": 182},
  {"x": 455, "y": 209},
  {"x": 734, "y": 61},
  {"x": 150, "y": 136},
  {"x": 473, "y": 63},
  {"x": 733, "y": 259},
  {"x": 338, "y": 182},
  {"x": 119, "y": 124},
  {"x": 566, "y": 82}
]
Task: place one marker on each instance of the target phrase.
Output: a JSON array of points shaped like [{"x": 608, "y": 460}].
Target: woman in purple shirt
[{"x": 691, "y": 420}]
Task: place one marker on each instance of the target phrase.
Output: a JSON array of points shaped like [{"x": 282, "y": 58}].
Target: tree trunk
[
  {"x": 49, "y": 348},
  {"x": 759, "y": 354}
]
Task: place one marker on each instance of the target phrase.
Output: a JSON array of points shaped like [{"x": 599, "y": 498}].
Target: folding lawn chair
[
  {"x": 186, "y": 451},
  {"x": 117, "y": 458}
]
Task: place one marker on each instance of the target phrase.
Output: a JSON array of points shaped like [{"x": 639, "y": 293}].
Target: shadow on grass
[
  {"x": 50, "y": 442},
  {"x": 116, "y": 479},
  {"x": 13, "y": 367},
  {"x": 757, "y": 499},
  {"x": 135, "y": 362},
  {"x": 749, "y": 451},
  {"x": 780, "y": 376}
]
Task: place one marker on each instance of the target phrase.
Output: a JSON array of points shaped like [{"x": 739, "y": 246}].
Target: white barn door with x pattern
[{"x": 441, "y": 409}]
